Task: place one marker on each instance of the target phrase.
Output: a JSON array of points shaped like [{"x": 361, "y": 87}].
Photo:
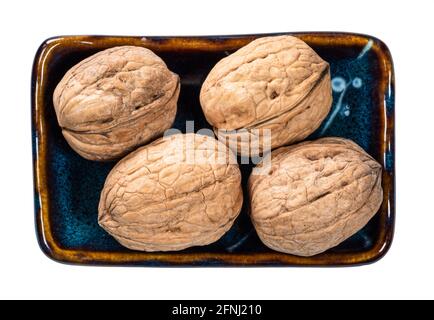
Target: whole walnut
[
  {"x": 179, "y": 191},
  {"x": 276, "y": 83},
  {"x": 114, "y": 101},
  {"x": 314, "y": 195}
]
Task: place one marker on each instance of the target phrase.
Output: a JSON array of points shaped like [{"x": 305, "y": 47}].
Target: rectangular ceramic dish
[{"x": 67, "y": 187}]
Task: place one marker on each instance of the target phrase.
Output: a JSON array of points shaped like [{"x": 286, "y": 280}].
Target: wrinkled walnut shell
[
  {"x": 277, "y": 83},
  {"x": 114, "y": 101},
  {"x": 159, "y": 199},
  {"x": 314, "y": 195}
]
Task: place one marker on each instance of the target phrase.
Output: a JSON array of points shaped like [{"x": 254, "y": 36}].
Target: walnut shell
[
  {"x": 314, "y": 195},
  {"x": 277, "y": 83},
  {"x": 114, "y": 101},
  {"x": 179, "y": 191}
]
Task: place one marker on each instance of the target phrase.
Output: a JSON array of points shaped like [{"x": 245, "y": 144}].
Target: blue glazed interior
[{"x": 75, "y": 183}]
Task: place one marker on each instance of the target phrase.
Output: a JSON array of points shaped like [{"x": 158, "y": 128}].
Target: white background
[{"x": 406, "y": 271}]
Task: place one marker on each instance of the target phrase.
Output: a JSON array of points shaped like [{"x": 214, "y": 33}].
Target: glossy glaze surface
[{"x": 67, "y": 187}]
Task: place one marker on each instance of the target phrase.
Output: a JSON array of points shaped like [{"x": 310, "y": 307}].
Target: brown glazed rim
[{"x": 53, "y": 250}]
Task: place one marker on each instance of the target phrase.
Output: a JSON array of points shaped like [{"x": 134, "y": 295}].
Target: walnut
[
  {"x": 276, "y": 83},
  {"x": 179, "y": 191},
  {"x": 114, "y": 101},
  {"x": 314, "y": 195}
]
